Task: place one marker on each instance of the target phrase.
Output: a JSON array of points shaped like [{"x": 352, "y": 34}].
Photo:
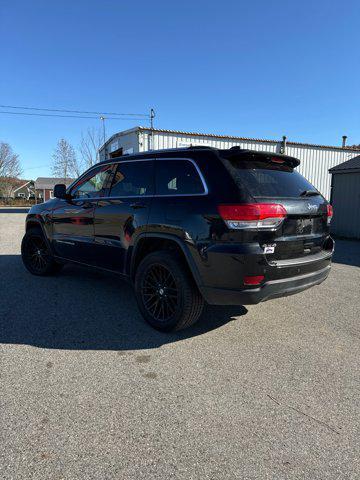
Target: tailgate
[
  {"x": 304, "y": 232},
  {"x": 265, "y": 178}
]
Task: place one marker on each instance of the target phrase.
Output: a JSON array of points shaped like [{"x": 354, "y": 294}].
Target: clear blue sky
[{"x": 255, "y": 68}]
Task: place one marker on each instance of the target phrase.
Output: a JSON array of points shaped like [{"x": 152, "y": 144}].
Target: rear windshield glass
[{"x": 268, "y": 180}]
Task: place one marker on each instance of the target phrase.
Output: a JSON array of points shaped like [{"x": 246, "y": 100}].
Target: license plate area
[
  {"x": 304, "y": 226},
  {"x": 299, "y": 226},
  {"x": 286, "y": 249}
]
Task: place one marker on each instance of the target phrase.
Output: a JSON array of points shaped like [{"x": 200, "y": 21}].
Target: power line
[
  {"x": 144, "y": 115},
  {"x": 66, "y": 116}
]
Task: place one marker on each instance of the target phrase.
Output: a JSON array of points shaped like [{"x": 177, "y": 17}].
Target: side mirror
[{"x": 60, "y": 191}]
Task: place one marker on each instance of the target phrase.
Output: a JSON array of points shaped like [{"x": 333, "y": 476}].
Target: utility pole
[
  {"x": 152, "y": 116},
  {"x": 150, "y": 137},
  {"x": 103, "y": 124}
]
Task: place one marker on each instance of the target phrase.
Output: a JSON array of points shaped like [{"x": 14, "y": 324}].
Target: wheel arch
[
  {"x": 150, "y": 242},
  {"x": 36, "y": 223},
  {"x": 33, "y": 223}
]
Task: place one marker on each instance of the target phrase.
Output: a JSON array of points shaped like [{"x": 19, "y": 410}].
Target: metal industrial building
[
  {"x": 345, "y": 198},
  {"x": 316, "y": 160}
]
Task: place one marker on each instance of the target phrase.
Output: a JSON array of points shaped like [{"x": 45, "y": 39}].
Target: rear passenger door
[
  {"x": 123, "y": 214},
  {"x": 180, "y": 199}
]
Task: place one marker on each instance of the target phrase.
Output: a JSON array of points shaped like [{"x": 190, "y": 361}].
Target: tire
[
  {"x": 36, "y": 255},
  {"x": 166, "y": 293}
]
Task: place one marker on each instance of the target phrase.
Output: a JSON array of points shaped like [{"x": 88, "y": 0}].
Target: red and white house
[{"x": 44, "y": 187}]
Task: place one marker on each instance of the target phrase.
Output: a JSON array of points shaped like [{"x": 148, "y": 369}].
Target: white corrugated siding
[
  {"x": 127, "y": 140},
  {"x": 315, "y": 164},
  {"x": 315, "y": 161}
]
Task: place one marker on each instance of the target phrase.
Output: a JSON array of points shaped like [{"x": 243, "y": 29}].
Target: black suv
[{"x": 187, "y": 226}]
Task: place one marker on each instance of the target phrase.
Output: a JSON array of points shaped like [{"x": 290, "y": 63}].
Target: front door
[
  {"x": 124, "y": 213},
  {"x": 73, "y": 220}
]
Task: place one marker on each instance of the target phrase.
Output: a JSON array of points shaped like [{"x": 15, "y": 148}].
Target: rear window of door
[
  {"x": 178, "y": 177},
  {"x": 133, "y": 179}
]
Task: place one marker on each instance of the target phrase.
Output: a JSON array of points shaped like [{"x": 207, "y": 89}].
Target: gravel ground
[{"x": 88, "y": 391}]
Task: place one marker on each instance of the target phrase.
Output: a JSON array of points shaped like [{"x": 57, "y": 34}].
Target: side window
[
  {"x": 94, "y": 184},
  {"x": 133, "y": 179},
  {"x": 177, "y": 177}
]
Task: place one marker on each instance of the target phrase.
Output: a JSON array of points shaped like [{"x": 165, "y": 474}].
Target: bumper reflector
[{"x": 253, "y": 279}]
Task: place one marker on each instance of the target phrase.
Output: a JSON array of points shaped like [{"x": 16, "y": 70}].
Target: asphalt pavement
[{"x": 89, "y": 391}]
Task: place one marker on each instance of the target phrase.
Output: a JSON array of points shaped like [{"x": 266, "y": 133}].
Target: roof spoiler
[{"x": 268, "y": 157}]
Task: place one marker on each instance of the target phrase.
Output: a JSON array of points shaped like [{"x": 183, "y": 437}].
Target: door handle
[{"x": 137, "y": 205}]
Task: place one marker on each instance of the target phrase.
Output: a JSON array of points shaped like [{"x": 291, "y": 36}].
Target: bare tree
[
  {"x": 10, "y": 169},
  {"x": 91, "y": 141},
  {"x": 64, "y": 163}
]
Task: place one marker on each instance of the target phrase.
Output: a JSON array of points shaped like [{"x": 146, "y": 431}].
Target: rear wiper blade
[{"x": 309, "y": 193}]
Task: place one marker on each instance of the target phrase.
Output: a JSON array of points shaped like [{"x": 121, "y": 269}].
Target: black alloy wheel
[
  {"x": 159, "y": 292},
  {"x": 166, "y": 293},
  {"x": 36, "y": 255}
]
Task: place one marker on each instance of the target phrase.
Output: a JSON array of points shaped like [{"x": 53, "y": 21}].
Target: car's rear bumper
[{"x": 271, "y": 289}]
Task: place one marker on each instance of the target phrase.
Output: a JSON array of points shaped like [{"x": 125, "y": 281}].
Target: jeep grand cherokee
[{"x": 188, "y": 226}]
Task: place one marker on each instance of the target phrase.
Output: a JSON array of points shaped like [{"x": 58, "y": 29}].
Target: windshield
[{"x": 268, "y": 180}]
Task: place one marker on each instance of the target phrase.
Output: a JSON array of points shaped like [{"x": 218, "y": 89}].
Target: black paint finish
[{"x": 107, "y": 232}]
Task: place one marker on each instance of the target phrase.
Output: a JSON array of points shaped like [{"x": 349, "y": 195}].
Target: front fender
[{"x": 40, "y": 221}]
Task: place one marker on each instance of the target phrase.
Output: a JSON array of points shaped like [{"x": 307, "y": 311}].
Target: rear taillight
[
  {"x": 252, "y": 215},
  {"x": 330, "y": 213}
]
